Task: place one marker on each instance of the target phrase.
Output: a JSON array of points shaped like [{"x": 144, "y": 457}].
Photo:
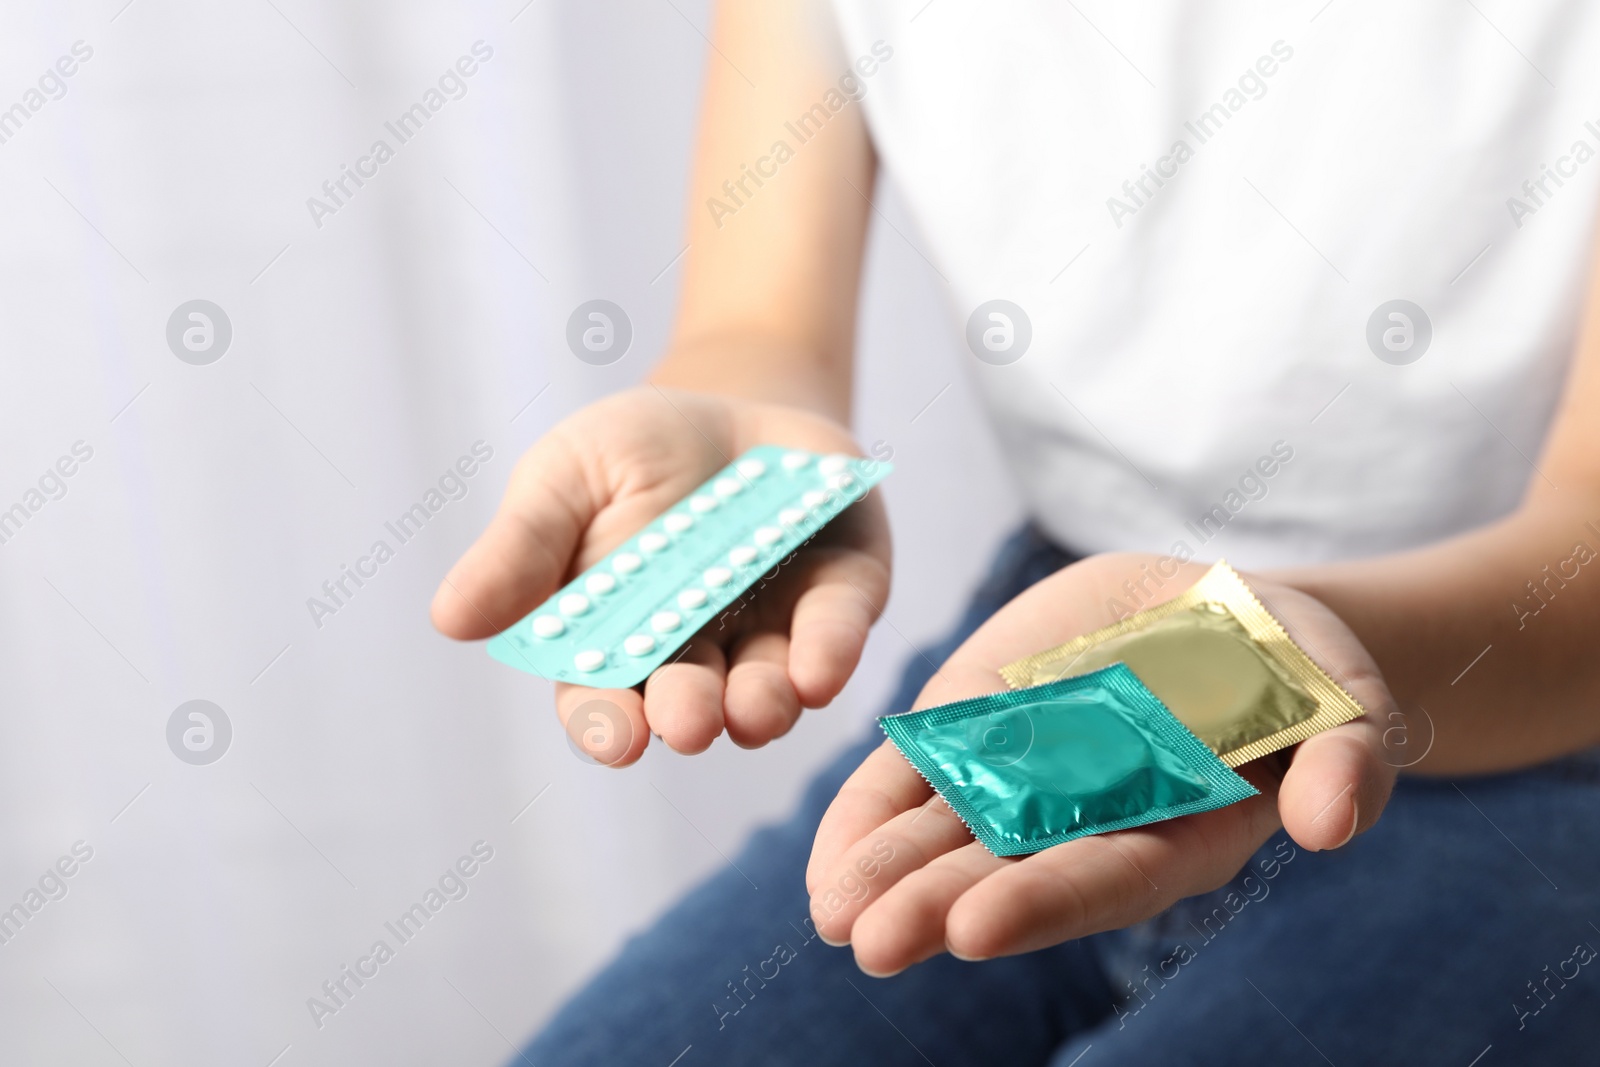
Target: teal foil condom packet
[
  {"x": 1031, "y": 768},
  {"x": 629, "y": 613}
]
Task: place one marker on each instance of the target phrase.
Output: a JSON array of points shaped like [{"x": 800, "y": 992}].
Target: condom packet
[
  {"x": 1219, "y": 660},
  {"x": 629, "y": 613},
  {"x": 1031, "y": 768}
]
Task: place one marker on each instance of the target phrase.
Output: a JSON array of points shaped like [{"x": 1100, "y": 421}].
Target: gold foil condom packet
[{"x": 1219, "y": 660}]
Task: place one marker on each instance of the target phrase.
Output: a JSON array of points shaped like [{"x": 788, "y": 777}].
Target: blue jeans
[{"x": 1459, "y": 927}]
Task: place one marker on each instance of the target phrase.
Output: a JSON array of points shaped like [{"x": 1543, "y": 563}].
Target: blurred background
[{"x": 347, "y": 357}]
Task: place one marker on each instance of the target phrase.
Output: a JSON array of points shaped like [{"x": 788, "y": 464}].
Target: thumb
[
  {"x": 527, "y": 549},
  {"x": 1336, "y": 786}
]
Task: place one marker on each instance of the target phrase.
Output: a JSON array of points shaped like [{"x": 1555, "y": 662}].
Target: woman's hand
[
  {"x": 894, "y": 872},
  {"x": 600, "y": 476}
]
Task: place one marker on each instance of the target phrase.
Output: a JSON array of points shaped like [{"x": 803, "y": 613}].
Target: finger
[
  {"x": 881, "y": 788},
  {"x": 527, "y": 549},
  {"x": 759, "y": 704},
  {"x": 1047, "y": 898},
  {"x": 683, "y": 699},
  {"x": 867, "y": 869},
  {"x": 605, "y": 725},
  {"x": 906, "y": 924},
  {"x": 1336, "y": 786},
  {"x": 1110, "y": 880},
  {"x": 845, "y": 592}
]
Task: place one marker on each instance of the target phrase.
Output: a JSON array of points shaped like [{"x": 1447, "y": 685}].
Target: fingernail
[
  {"x": 1325, "y": 814},
  {"x": 876, "y": 974},
  {"x": 1355, "y": 821}
]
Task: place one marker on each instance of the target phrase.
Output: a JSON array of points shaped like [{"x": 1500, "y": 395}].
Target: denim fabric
[{"x": 1459, "y": 927}]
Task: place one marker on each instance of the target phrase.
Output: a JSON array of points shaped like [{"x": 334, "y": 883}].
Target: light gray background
[{"x": 366, "y": 357}]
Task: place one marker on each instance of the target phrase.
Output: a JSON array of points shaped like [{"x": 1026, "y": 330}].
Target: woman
[{"x": 1309, "y": 285}]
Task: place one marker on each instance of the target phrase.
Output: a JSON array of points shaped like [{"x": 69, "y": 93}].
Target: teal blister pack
[
  {"x": 1031, "y": 768},
  {"x": 628, "y": 614}
]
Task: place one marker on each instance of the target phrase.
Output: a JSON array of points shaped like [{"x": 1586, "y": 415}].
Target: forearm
[
  {"x": 776, "y": 229},
  {"x": 1492, "y": 634}
]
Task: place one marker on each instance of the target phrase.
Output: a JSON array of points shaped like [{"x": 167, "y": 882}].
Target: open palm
[
  {"x": 600, "y": 476},
  {"x": 894, "y": 872}
]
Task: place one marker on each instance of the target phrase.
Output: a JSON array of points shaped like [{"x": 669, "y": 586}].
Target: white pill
[
  {"x": 751, "y": 468},
  {"x": 814, "y": 498},
  {"x": 702, "y": 504},
  {"x": 766, "y": 535},
  {"x": 626, "y": 563},
  {"x": 690, "y": 599},
  {"x": 727, "y": 486},
  {"x": 677, "y": 522},
  {"x": 639, "y": 645},
  {"x": 653, "y": 542},
  {"x": 548, "y": 626},
  {"x": 742, "y": 556},
  {"x": 842, "y": 480},
  {"x": 599, "y": 584},
  {"x": 664, "y": 622},
  {"x": 833, "y": 464},
  {"x": 792, "y": 516},
  {"x": 793, "y": 461},
  {"x": 589, "y": 660},
  {"x": 716, "y": 576},
  {"x": 573, "y": 604}
]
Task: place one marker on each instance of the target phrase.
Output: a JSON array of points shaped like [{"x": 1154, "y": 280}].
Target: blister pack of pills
[{"x": 629, "y": 613}]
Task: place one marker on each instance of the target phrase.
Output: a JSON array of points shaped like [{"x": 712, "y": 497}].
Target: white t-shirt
[{"x": 1199, "y": 208}]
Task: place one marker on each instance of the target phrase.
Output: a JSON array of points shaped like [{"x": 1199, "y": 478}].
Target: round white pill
[
  {"x": 716, "y": 576},
  {"x": 792, "y": 516},
  {"x": 548, "y": 626},
  {"x": 814, "y": 498},
  {"x": 727, "y": 486},
  {"x": 626, "y": 563},
  {"x": 766, "y": 535},
  {"x": 639, "y": 645},
  {"x": 599, "y": 584},
  {"x": 833, "y": 464},
  {"x": 702, "y": 504},
  {"x": 589, "y": 660},
  {"x": 573, "y": 604},
  {"x": 742, "y": 556},
  {"x": 751, "y": 468},
  {"x": 842, "y": 480},
  {"x": 653, "y": 542},
  {"x": 690, "y": 599},
  {"x": 664, "y": 622},
  {"x": 793, "y": 461},
  {"x": 677, "y": 522}
]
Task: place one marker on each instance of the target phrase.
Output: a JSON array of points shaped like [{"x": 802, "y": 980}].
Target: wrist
[{"x": 760, "y": 370}]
